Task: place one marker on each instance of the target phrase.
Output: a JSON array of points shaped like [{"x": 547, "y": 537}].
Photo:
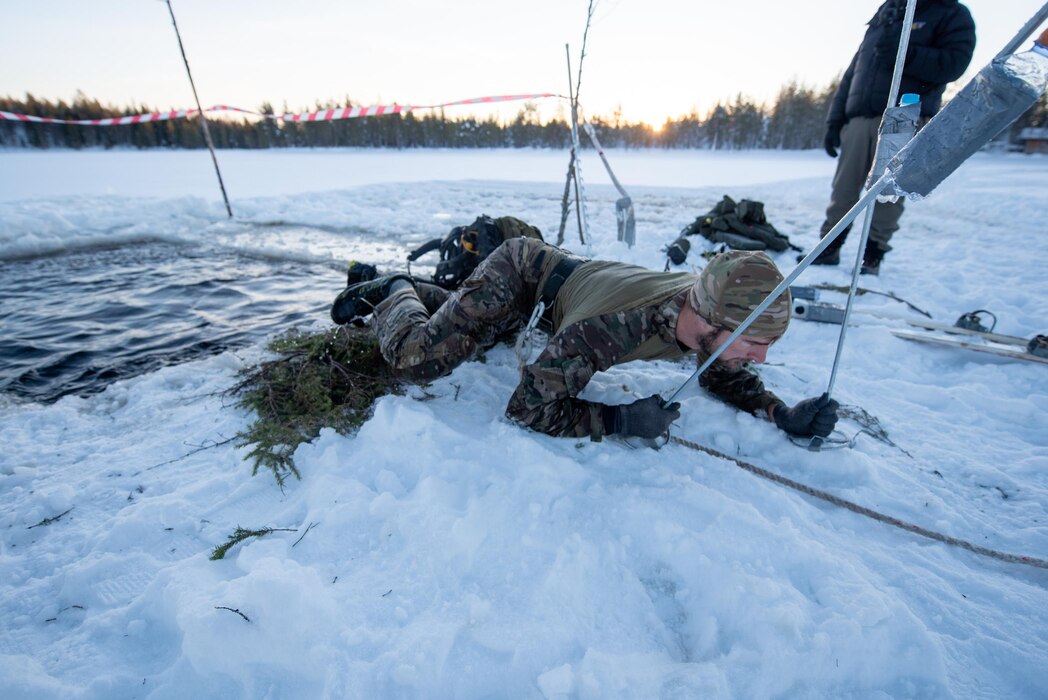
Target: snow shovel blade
[{"x": 626, "y": 220}]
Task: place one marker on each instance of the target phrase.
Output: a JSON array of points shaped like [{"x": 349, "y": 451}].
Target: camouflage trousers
[{"x": 421, "y": 344}]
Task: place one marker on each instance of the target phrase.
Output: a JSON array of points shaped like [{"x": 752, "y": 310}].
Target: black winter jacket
[{"x": 941, "y": 45}]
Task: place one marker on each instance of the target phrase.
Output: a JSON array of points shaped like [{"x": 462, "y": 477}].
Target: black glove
[
  {"x": 809, "y": 417},
  {"x": 833, "y": 140},
  {"x": 646, "y": 418}
]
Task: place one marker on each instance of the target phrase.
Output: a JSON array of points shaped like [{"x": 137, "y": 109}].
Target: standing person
[
  {"x": 599, "y": 314},
  {"x": 940, "y": 48}
]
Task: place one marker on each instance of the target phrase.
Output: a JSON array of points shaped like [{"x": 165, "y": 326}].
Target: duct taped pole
[
  {"x": 830, "y": 236},
  {"x": 203, "y": 121},
  {"x": 897, "y": 127},
  {"x": 994, "y": 98}
]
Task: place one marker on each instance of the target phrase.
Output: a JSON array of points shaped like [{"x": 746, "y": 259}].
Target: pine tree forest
[{"x": 795, "y": 120}]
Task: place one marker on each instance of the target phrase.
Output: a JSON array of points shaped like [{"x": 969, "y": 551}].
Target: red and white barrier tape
[{"x": 322, "y": 115}]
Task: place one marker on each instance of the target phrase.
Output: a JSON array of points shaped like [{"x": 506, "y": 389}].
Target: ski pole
[
  {"x": 830, "y": 236},
  {"x": 624, "y": 206},
  {"x": 600, "y": 151},
  {"x": 893, "y": 93}
]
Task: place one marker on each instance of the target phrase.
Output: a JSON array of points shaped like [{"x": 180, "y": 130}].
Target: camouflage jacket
[{"x": 546, "y": 398}]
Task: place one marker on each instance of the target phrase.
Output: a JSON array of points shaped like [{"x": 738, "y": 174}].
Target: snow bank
[{"x": 444, "y": 552}]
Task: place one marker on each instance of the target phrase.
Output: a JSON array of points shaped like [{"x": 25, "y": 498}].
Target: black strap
[
  {"x": 424, "y": 248},
  {"x": 554, "y": 282}
]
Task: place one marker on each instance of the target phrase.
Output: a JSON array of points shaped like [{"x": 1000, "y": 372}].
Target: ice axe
[{"x": 624, "y": 217}]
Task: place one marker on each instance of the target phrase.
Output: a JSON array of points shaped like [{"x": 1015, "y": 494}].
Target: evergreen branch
[
  {"x": 326, "y": 379},
  {"x": 239, "y": 535}
]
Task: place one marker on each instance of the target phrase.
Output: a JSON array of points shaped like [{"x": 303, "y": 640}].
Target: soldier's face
[
  {"x": 743, "y": 349},
  {"x": 694, "y": 332}
]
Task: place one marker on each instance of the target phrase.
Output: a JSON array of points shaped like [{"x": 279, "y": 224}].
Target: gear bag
[
  {"x": 740, "y": 226},
  {"x": 465, "y": 246}
]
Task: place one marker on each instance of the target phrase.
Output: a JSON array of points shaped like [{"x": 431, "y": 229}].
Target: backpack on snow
[
  {"x": 465, "y": 246},
  {"x": 740, "y": 226}
]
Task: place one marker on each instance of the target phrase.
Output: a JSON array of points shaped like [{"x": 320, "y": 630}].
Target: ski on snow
[{"x": 1012, "y": 347}]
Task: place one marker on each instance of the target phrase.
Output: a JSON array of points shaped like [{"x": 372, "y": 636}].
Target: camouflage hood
[{"x": 733, "y": 285}]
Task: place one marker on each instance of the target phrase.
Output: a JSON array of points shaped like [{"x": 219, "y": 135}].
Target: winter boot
[
  {"x": 359, "y": 300},
  {"x": 871, "y": 259},
  {"x": 832, "y": 254},
  {"x": 360, "y": 272}
]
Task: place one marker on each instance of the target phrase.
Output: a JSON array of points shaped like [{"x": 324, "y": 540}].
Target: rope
[{"x": 861, "y": 510}]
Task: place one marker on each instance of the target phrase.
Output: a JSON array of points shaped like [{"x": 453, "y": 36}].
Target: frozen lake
[{"x": 442, "y": 551}]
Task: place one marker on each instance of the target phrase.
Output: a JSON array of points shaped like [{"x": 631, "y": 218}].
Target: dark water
[{"x": 73, "y": 324}]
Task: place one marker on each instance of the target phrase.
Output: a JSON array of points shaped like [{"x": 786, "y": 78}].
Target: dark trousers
[{"x": 858, "y": 143}]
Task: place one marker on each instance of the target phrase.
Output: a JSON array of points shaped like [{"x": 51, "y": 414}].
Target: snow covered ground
[{"x": 445, "y": 552}]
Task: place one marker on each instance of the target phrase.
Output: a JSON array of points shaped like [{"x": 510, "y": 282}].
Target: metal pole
[
  {"x": 893, "y": 94},
  {"x": 600, "y": 151},
  {"x": 900, "y": 54},
  {"x": 203, "y": 120},
  {"x": 830, "y": 236},
  {"x": 1029, "y": 28}
]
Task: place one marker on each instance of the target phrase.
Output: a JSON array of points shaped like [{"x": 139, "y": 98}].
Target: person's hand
[
  {"x": 810, "y": 417},
  {"x": 832, "y": 141},
  {"x": 646, "y": 418}
]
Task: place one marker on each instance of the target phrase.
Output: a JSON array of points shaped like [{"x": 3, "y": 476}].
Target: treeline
[{"x": 795, "y": 120}]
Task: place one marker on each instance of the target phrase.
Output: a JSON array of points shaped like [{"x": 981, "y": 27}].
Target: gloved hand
[
  {"x": 646, "y": 418},
  {"x": 809, "y": 417},
  {"x": 832, "y": 141}
]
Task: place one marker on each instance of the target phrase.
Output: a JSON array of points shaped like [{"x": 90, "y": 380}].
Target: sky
[{"x": 647, "y": 59}]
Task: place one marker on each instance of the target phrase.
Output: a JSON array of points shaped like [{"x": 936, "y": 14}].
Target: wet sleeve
[
  {"x": 741, "y": 388},
  {"x": 545, "y": 400}
]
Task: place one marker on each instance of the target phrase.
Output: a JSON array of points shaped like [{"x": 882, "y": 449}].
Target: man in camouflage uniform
[{"x": 600, "y": 314}]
